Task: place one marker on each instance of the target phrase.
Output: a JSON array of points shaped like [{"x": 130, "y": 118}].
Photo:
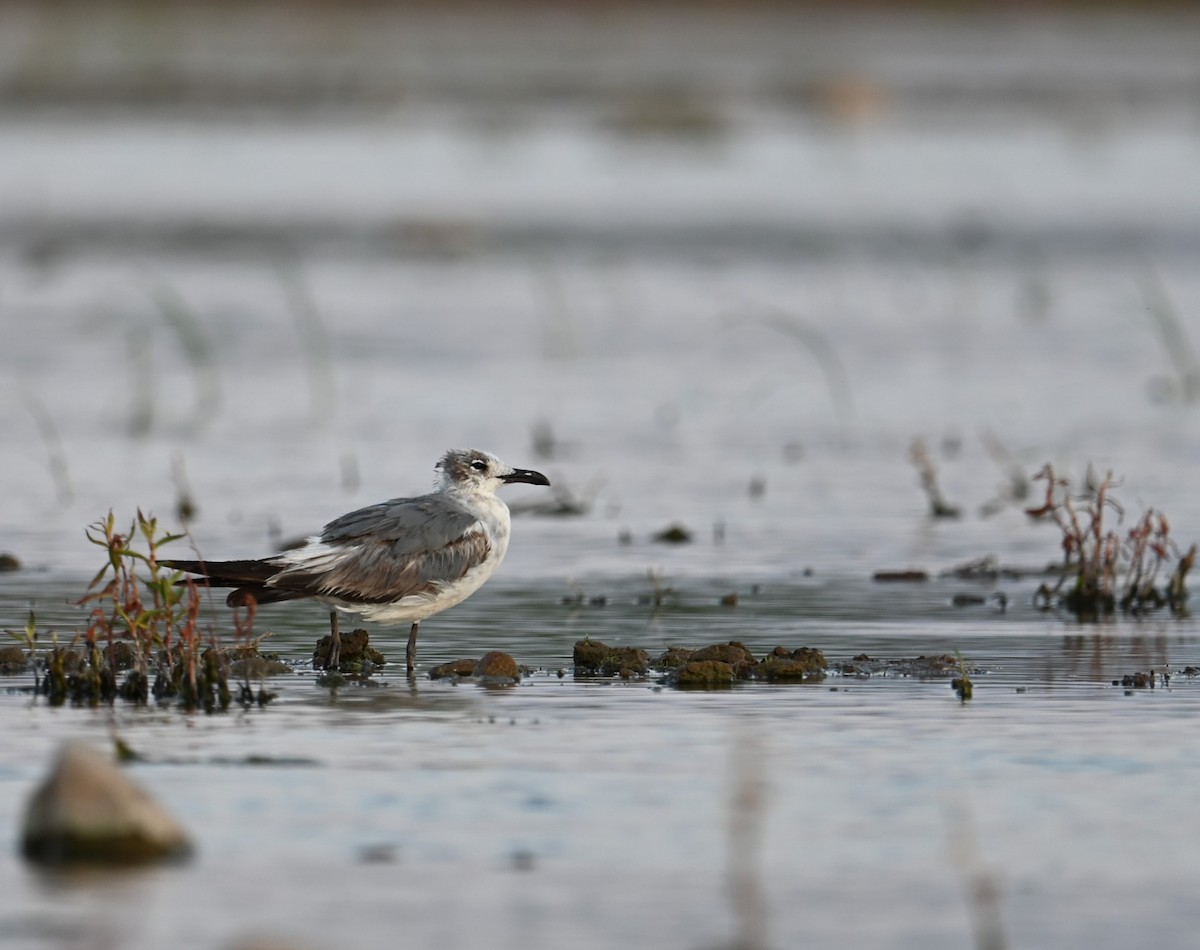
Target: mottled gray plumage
[{"x": 400, "y": 560}]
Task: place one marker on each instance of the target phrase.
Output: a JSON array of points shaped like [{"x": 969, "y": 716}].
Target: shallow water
[{"x": 289, "y": 310}]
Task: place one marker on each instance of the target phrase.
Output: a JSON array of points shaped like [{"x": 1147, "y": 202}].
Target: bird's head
[{"x": 474, "y": 470}]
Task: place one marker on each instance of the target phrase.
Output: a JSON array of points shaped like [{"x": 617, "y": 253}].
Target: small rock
[
  {"x": 88, "y": 811},
  {"x": 730, "y": 599},
  {"x": 9, "y": 562},
  {"x": 455, "y": 668},
  {"x": 497, "y": 667}
]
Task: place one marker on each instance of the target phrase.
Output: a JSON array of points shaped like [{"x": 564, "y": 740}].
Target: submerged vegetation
[
  {"x": 1104, "y": 571},
  {"x": 143, "y": 639}
]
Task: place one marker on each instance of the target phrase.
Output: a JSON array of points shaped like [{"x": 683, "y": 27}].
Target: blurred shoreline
[{"x": 653, "y": 64}]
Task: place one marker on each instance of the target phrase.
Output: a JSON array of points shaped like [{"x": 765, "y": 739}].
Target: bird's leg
[
  {"x": 410, "y": 652},
  {"x": 335, "y": 643}
]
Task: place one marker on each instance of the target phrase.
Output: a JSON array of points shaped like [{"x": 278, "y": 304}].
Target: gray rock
[{"x": 87, "y": 810}]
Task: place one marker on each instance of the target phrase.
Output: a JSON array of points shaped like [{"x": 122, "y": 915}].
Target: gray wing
[
  {"x": 409, "y": 525},
  {"x": 395, "y": 549}
]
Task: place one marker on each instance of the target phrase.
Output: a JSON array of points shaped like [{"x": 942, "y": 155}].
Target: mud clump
[
  {"x": 248, "y": 663},
  {"x": 1138, "y": 680},
  {"x": 806, "y": 663},
  {"x": 702, "y": 673},
  {"x": 719, "y": 664},
  {"x": 13, "y": 660},
  {"x": 589, "y": 655},
  {"x": 492, "y": 669},
  {"x": 119, "y": 654},
  {"x": 626, "y": 662},
  {"x": 927, "y": 667},
  {"x": 861, "y": 665},
  {"x": 8, "y": 563},
  {"x": 733, "y": 653},
  {"x": 921, "y": 667},
  {"x": 356, "y": 656},
  {"x": 672, "y": 658},
  {"x": 88, "y": 677},
  {"x": 594, "y": 658},
  {"x": 497, "y": 668},
  {"x": 454, "y": 669}
]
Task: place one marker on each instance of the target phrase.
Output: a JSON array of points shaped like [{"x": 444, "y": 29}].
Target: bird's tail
[
  {"x": 249, "y": 577},
  {"x": 227, "y": 573}
]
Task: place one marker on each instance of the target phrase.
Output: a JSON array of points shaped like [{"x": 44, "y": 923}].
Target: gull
[{"x": 399, "y": 561}]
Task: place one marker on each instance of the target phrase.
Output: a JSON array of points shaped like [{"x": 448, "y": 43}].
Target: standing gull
[{"x": 396, "y": 562}]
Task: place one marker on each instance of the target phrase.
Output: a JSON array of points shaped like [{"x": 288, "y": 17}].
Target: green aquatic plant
[
  {"x": 132, "y": 596},
  {"x": 964, "y": 689},
  {"x": 13, "y": 661},
  {"x": 143, "y": 622},
  {"x": 1103, "y": 571}
]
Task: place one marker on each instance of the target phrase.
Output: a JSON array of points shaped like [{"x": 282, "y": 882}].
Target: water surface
[{"x": 736, "y": 315}]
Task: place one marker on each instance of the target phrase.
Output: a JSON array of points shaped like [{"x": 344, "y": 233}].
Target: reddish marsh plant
[
  {"x": 1103, "y": 570},
  {"x": 146, "y": 618}
]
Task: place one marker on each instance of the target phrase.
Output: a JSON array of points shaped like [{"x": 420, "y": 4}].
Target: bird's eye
[{"x": 479, "y": 465}]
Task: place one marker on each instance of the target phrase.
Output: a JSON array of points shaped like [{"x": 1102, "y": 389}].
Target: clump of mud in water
[
  {"x": 356, "y": 656},
  {"x": 720, "y": 664},
  {"x": 594, "y": 658}
]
